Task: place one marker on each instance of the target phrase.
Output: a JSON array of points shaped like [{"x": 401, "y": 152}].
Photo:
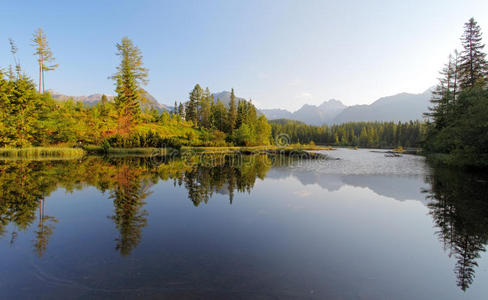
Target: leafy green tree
[
  {"x": 243, "y": 135},
  {"x": 263, "y": 131}
]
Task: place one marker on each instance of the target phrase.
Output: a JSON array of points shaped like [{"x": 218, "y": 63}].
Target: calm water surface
[{"x": 362, "y": 227}]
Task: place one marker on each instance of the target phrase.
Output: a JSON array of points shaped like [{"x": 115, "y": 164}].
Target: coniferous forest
[{"x": 457, "y": 127}]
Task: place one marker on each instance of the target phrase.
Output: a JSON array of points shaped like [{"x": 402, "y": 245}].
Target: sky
[{"x": 279, "y": 53}]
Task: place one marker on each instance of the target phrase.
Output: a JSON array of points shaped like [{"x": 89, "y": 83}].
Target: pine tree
[
  {"x": 232, "y": 115},
  {"x": 104, "y": 99},
  {"x": 473, "y": 66},
  {"x": 44, "y": 55},
  {"x": 129, "y": 77},
  {"x": 13, "y": 50},
  {"x": 192, "y": 105},
  {"x": 219, "y": 115},
  {"x": 444, "y": 94},
  {"x": 204, "y": 108},
  {"x": 363, "y": 137},
  {"x": 181, "y": 110}
]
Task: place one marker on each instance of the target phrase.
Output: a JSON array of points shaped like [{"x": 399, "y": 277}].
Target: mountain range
[
  {"x": 151, "y": 101},
  {"x": 91, "y": 100},
  {"x": 400, "y": 107}
]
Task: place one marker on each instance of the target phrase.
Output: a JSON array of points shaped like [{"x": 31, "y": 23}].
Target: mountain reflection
[{"x": 459, "y": 208}]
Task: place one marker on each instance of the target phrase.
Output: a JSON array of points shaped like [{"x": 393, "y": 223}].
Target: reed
[{"x": 39, "y": 152}]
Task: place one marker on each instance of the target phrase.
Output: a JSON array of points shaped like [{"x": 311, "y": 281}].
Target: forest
[
  {"x": 359, "y": 134},
  {"x": 29, "y": 116},
  {"x": 457, "y": 127}
]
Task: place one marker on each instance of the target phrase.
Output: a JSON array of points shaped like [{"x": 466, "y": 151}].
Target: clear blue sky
[{"x": 279, "y": 53}]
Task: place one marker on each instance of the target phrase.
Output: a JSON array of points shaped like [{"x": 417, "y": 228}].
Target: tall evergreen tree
[
  {"x": 192, "y": 104},
  {"x": 181, "y": 110},
  {"x": 232, "y": 115},
  {"x": 44, "y": 56},
  {"x": 204, "y": 107},
  {"x": 473, "y": 65},
  {"x": 219, "y": 116},
  {"x": 444, "y": 94},
  {"x": 13, "y": 50},
  {"x": 129, "y": 77}
]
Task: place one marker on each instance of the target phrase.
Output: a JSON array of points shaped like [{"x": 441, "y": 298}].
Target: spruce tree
[
  {"x": 181, "y": 110},
  {"x": 473, "y": 65},
  {"x": 444, "y": 94},
  {"x": 192, "y": 105},
  {"x": 232, "y": 115},
  {"x": 219, "y": 115}
]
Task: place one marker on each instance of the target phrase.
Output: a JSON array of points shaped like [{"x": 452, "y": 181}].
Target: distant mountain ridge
[
  {"x": 93, "y": 99},
  {"x": 400, "y": 107},
  {"x": 224, "y": 96},
  {"x": 309, "y": 114}
]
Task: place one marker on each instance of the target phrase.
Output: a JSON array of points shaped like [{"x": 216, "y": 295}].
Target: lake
[{"x": 364, "y": 226}]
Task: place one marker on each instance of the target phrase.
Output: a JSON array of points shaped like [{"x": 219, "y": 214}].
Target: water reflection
[
  {"x": 457, "y": 202},
  {"x": 25, "y": 185},
  {"x": 128, "y": 193},
  {"x": 459, "y": 208}
]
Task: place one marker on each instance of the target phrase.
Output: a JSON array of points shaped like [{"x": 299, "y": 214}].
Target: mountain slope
[
  {"x": 224, "y": 96},
  {"x": 150, "y": 102},
  {"x": 401, "y": 107},
  {"x": 310, "y": 114},
  {"x": 278, "y": 113}
]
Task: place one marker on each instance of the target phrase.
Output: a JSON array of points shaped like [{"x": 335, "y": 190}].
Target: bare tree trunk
[
  {"x": 43, "y": 75},
  {"x": 40, "y": 74}
]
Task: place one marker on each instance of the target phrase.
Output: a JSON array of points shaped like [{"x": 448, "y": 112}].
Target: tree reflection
[
  {"x": 22, "y": 189},
  {"x": 128, "y": 196},
  {"x": 25, "y": 186},
  {"x": 228, "y": 176},
  {"x": 45, "y": 229},
  {"x": 459, "y": 207}
]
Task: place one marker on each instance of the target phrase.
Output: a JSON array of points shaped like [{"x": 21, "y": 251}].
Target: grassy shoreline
[
  {"x": 41, "y": 152},
  {"x": 73, "y": 153}
]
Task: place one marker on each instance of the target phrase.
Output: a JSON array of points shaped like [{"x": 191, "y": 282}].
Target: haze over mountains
[{"x": 400, "y": 107}]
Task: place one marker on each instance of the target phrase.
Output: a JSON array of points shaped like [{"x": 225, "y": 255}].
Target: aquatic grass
[
  {"x": 142, "y": 151},
  {"x": 41, "y": 152}
]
